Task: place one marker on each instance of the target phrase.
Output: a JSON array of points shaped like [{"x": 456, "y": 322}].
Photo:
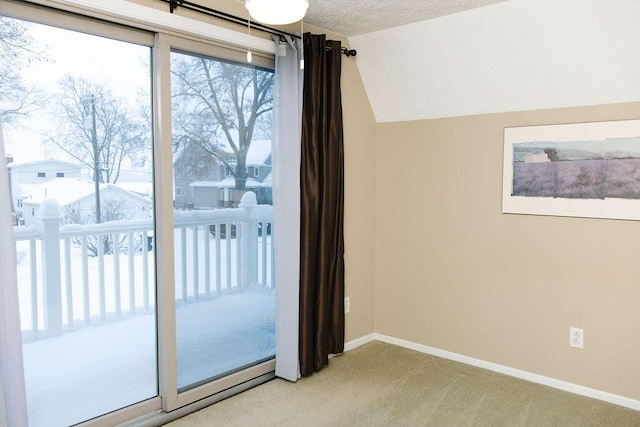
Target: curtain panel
[
  {"x": 13, "y": 407},
  {"x": 287, "y": 120},
  {"x": 322, "y": 206}
]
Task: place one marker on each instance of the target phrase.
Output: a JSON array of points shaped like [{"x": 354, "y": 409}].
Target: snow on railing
[{"x": 81, "y": 267}]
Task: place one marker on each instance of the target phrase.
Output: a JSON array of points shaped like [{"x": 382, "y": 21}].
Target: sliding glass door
[
  {"x": 141, "y": 192},
  {"x": 76, "y": 113},
  {"x": 224, "y": 293}
]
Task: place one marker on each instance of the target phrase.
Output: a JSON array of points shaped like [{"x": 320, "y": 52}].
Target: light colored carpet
[{"x": 383, "y": 385}]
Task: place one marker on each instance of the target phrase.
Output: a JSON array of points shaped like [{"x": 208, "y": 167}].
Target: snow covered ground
[
  {"x": 98, "y": 369},
  {"x": 104, "y": 365}
]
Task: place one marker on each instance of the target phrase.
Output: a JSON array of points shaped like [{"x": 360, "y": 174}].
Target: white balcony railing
[{"x": 66, "y": 277}]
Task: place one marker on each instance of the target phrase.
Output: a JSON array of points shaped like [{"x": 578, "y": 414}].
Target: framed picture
[{"x": 579, "y": 170}]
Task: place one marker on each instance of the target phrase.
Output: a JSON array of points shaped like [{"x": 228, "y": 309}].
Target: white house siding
[
  {"x": 78, "y": 195},
  {"x": 23, "y": 175}
]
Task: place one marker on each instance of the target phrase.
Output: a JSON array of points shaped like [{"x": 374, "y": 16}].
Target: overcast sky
[{"x": 123, "y": 66}]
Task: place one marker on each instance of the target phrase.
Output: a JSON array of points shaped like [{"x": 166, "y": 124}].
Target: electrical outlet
[
  {"x": 347, "y": 304},
  {"x": 576, "y": 337}
]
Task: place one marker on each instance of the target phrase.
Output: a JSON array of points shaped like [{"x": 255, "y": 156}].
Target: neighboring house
[
  {"x": 77, "y": 201},
  {"x": 207, "y": 194},
  {"x": 22, "y": 176},
  {"x": 217, "y": 194},
  {"x": 193, "y": 163},
  {"x": 259, "y": 159}
]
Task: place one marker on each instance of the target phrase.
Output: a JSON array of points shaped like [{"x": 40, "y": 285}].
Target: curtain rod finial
[{"x": 173, "y": 5}]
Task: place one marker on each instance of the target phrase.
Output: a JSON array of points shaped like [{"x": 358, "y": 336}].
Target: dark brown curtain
[{"x": 321, "y": 206}]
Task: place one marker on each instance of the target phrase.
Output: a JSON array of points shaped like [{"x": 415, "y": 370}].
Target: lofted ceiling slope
[{"x": 515, "y": 55}]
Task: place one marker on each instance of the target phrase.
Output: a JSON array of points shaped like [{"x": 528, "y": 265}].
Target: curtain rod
[{"x": 173, "y": 5}]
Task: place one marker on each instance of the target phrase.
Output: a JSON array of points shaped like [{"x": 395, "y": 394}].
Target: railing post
[
  {"x": 51, "y": 218},
  {"x": 249, "y": 240}
]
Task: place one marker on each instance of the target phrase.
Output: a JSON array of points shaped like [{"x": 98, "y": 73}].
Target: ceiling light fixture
[{"x": 277, "y": 12}]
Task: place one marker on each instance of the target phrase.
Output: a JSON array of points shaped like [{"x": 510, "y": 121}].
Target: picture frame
[{"x": 589, "y": 170}]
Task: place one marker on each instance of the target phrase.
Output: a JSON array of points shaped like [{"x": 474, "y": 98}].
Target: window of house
[
  {"x": 19, "y": 203},
  {"x": 59, "y": 174},
  {"x": 256, "y": 172},
  {"x": 177, "y": 191},
  {"x": 42, "y": 174}
]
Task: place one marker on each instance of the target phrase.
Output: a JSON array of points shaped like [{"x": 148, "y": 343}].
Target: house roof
[
  {"x": 69, "y": 190},
  {"x": 259, "y": 152},
  {"x": 43, "y": 162},
  {"x": 141, "y": 188}
]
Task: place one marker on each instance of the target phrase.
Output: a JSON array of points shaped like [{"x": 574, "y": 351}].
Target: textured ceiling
[
  {"x": 515, "y": 55},
  {"x": 355, "y": 17}
]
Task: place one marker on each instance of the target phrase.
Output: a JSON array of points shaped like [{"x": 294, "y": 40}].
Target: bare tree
[
  {"x": 220, "y": 106},
  {"x": 112, "y": 210},
  {"x": 93, "y": 122},
  {"x": 16, "y": 51}
]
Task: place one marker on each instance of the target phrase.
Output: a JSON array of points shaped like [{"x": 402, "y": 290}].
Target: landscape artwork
[{"x": 579, "y": 170}]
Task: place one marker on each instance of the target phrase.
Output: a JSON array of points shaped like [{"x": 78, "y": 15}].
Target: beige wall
[
  {"x": 360, "y": 202},
  {"x": 453, "y": 272}
]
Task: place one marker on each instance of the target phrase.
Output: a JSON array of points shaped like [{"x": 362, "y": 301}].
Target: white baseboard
[
  {"x": 516, "y": 373},
  {"x": 359, "y": 341}
]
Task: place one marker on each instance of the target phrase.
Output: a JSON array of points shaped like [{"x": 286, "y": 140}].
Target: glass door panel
[
  {"x": 76, "y": 110},
  {"x": 224, "y": 287}
]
